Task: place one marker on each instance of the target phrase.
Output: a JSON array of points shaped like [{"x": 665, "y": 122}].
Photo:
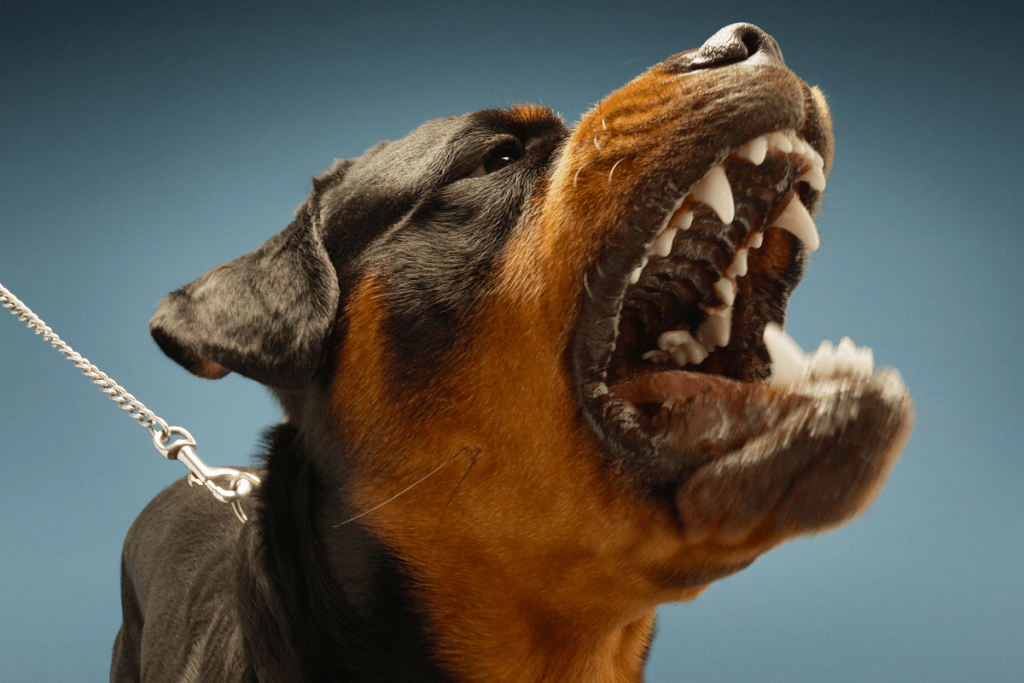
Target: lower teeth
[{"x": 791, "y": 364}]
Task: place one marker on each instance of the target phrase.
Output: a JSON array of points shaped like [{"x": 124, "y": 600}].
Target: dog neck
[
  {"x": 318, "y": 603},
  {"x": 321, "y": 598}
]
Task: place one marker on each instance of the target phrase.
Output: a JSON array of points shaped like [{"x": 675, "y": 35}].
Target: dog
[{"x": 535, "y": 384}]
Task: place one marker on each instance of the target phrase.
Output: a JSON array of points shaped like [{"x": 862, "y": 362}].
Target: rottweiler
[{"x": 535, "y": 384}]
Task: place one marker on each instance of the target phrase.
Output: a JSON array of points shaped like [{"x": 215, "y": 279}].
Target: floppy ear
[{"x": 265, "y": 315}]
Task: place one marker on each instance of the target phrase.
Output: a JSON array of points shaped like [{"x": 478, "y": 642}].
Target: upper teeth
[
  {"x": 754, "y": 151},
  {"x": 796, "y": 220},
  {"x": 714, "y": 191}
]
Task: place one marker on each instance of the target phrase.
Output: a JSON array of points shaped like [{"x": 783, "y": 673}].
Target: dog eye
[{"x": 499, "y": 159}]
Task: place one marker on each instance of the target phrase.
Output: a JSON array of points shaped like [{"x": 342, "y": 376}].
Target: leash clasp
[{"x": 227, "y": 484}]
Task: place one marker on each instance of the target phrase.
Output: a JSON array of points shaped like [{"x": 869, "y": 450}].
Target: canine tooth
[
  {"x": 657, "y": 356},
  {"x": 755, "y": 240},
  {"x": 715, "y": 191},
  {"x": 663, "y": 244},
  {"x": 780, "y": 142},
  {"x": 754, "y": 151},
  {"x": 815, "y": 178},
  {"x": 797, "y": 221},
  {"x": 738, "y": 267},
  {"x": 789, "y": 362},
  {"x": 726, "y": 290}
]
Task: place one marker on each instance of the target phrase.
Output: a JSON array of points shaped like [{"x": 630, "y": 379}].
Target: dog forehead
[
  {"x": 359, "y": 199},
  {"x": 418, "y": 159},
  {"x": 425, "y": 156}
]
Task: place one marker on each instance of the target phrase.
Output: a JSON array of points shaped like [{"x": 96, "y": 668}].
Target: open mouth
[{"x": 693, "y": 314}]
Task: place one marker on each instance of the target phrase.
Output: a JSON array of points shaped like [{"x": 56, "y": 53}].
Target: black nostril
[
  {"x": 736, "y": 43},
  {"x": 752, "y": 39}
]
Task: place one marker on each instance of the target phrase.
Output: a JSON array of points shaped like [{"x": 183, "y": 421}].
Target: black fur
[
  {"x": 318, "y": 603},
  {"x": 279, "y": 598}
]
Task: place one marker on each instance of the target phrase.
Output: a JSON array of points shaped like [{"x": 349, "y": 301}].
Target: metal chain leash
[{"x": 227, "y": 484}]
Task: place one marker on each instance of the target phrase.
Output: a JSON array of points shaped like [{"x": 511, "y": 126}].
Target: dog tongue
[{"x": 658, "y": 387}]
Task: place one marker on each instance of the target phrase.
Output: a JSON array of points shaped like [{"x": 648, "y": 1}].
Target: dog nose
[{"x": 736, "y": 43}]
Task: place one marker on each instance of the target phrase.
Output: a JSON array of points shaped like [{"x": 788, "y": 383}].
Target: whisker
[
  {"x": 400, "y": 493},
  {"x": 450, "y": 499},
  {"x": 576, "y": 177},
  {"x": 613, "y": 169}
]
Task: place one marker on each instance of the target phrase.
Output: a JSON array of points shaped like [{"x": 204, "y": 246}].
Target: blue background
[{"x": 144, "y": 144}]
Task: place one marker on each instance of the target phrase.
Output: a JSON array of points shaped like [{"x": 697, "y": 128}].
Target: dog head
[{"x": 540, "y": 353}]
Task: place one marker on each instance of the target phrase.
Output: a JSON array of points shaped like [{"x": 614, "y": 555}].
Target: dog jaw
[
  {"x": 676, "y": 223},
  {"x": 700, "y": 186}
]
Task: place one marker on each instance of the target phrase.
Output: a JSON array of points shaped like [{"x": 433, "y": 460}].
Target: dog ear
[{"x": 265, "y": 315}]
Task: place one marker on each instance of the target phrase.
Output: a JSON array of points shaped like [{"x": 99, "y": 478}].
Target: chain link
[
  {"x": 146, "y": 417},
  {"x": 237, "y": 483}
]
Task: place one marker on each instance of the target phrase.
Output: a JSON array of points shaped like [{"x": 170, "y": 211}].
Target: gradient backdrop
[{"x": 142, "y": 146}]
